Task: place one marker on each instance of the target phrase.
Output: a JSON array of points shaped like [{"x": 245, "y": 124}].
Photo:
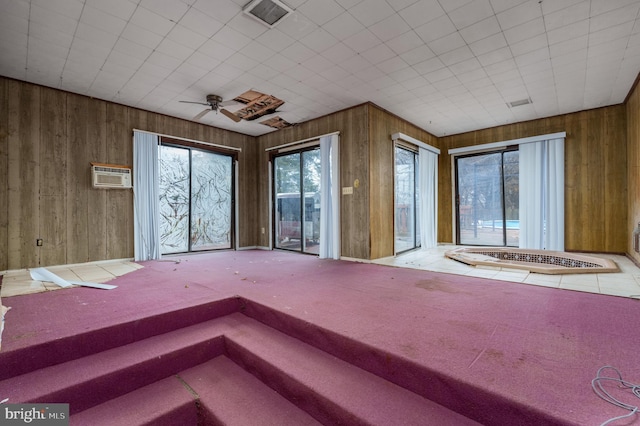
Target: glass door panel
[
  {"x": 174, "y": 199},
  {"x": 297, "y": 201},
  {"x": 195, "y": 200},
  {"x": 487, "y": 199},
  {"x": 406, "y": 205},
  {"x": 211, "y": 206},
  {"x": 288, "y": 232}
]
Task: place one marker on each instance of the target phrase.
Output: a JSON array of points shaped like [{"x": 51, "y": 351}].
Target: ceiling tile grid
[{"x": 448, "y": 66}]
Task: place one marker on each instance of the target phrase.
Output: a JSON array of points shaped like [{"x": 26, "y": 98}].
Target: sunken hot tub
[{"x": 540, "y": 261}]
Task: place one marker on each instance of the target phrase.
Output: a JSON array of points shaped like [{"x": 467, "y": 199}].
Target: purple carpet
[{"x": 306, "y": 336}]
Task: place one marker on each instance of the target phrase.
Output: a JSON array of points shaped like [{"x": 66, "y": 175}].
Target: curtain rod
[
  {"x": 504, "y": 144},
  {"x": 233, "y": 148},
  {"x": 420, "y": 144},
  {"x": 301, "y": 141}
]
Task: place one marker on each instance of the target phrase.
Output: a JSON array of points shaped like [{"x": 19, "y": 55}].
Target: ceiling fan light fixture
[{"x": 269, "y": 12}]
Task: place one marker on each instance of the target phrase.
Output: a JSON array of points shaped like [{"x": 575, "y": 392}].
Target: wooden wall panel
[
  {"x": 381, "y": 170},
  {"x": 595, "y": 175},
  {"x": 4, "y": 174},
  {"x": 354, "y": 164},
  {"x": 47, "y": 140},
  {"x": 24, "y": 177},
  {"x": 633, "y": 165}
]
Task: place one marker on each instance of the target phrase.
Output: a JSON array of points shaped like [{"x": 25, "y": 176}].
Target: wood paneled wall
[
  {"x": 633, "y": 167},
  {"x": 47, "y": 140},
  {"x": 382, "y": 125},
  {"x": 595, "y": 175}
]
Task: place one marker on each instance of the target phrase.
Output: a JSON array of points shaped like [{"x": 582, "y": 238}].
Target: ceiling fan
[{"x": 214, "y": 102}]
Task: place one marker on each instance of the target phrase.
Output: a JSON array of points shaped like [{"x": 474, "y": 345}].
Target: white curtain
[
  {"x": 329, "y": 198},
  {"x": 428, "y": 181},
  {"x": 542, "y": 194},
  {"x": 146, "y": 227}
]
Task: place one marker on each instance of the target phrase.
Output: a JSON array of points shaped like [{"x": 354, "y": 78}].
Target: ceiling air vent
[
  {"x": 269, "y": 12},
  {"x": 519, "y": 103}
]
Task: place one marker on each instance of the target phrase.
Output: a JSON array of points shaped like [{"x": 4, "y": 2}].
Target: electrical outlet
[
  {"x": 39, "y": 242},
  {"x": 347, "y": 190}
]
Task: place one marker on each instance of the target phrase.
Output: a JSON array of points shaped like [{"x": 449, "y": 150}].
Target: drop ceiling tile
[
  {"x": 438, "y": 75},
  {"x": 140, "y": 36},
  {"x": 362, "y": 41},
  {"x": 318, "y": 63},
  {"x": 421, "y": 12},
  {"x": 471, "y": 13},
  {"x": 319, "y": 40},
  {"x": 68, "y": 8},
  {"x": 231, "y": 38},
  {"x": 390, "y": 28},
  {"x": 102, "y": 20},
  {"x": 124, "y": 59},
  {"x": 520, "y": 14},
  {"x": 186, "y": 37},
  {"x": 391, "y": 65},
  {"x": 122, "y": 71},
  {"x": 200, "y": 23},
  {"x": 568, "y": 32},
  {"x": 122, "y": 9},
  {"x": 495, "y": 56},
  {"x": 257, "y": 51},
  {"x": 151, "y": 21},
  {"x": 577, "y": 12},
  {"x": 263, "y": 71},
  {"x": 526, "y": 46},
  {"x": 602, "y": 6},
  {"x": 417, "y": 55},
  {"x": 436, "y": 29},
  {"x": 480, "y": 30},
  {"x": 297, "y": 25},
  {"x": 338, "y": 53},
  {"x": 355, "y": 64},
  {"x": 465, "y": 66},
  {"x": 169, "y": 9},
  {"x": 47, "y": 34},
  {"x": 428, "y": 66},
  {"x": 569, "y": 46},
  {"x": 446, "y": 43},
  {"x": 377, "y": 54},
  {"x": 321, "y": 11},
  {"x": 414, "y": 83},
  {"x": 524, "y": 31},
  {"x": 488, "y": 44},
  {"x": 280, "y": 63},
  {"x": 275, "y": 39},
  {"x": 405, "y": 43},
  {"x": 611, "y": 33},
  {"x": 458, "y": 55},
  {"x": 343, "y": 26},
  {"x": 174, "y": 50},
  {"x": 475, "y": 78},
  {"x": 368, "y": 12},
  {"x": 531, "y": 57},
  {"x": 241, "y": 61},
  {"x": 247, "y": 26},
  {"x": 403, "y": 74},
  {"x": 163, "y": 60},
  {"x": 50, "y": 19}
]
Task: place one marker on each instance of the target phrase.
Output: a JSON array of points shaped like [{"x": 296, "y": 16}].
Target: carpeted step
[
  {"x": 94, "y": 379},
  {"x": 229, "y": 395},
  {"x": 331, "y": 390},
  {"x": 35, "y": 351},
  {"x": 166, "y": 402}
]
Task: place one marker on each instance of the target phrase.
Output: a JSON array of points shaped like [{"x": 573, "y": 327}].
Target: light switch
[{"x": 347, "y": 190}]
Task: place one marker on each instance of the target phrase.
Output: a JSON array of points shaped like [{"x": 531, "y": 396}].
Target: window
[{"x": 487, "y": 199}]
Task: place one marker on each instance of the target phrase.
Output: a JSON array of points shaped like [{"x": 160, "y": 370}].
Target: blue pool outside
[{"x": 511, "y": 224}]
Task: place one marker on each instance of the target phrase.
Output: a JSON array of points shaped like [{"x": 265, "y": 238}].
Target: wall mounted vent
[
  {"x": 519, "y": 103},
  {"x": 110, "y": 176},
  {"x": 269, "y": 12}
]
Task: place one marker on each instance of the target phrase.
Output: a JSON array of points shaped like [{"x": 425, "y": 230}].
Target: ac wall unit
[{"x": 110, "y": 176}]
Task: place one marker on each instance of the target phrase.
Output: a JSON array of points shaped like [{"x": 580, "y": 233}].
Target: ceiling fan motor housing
[{"x": 213, "y": 99}]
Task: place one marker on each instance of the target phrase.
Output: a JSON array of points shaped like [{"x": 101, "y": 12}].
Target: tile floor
[
  {"x": 18, "y": 282},
  {"x": 625, "y": 283}
]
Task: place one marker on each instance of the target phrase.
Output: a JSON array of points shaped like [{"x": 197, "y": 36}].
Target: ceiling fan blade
[
  {"x": 231, "y": 102},
  {"x": 190, "y": 102},
  {"x": 202, "y": 114},
  {"x": 230, "y": 115}
]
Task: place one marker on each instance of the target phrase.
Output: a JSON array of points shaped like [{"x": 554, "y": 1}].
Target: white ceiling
[{"x": 448, "y": 66}]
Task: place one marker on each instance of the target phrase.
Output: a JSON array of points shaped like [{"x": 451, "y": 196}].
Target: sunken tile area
[{"x": 313, "y": 338}]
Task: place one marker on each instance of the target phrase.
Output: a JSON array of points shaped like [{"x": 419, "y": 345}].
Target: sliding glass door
[
  {"x": 487, "y": 199},
  {"x": 196, "y": 199},
  {"x": 406, "y": 223},
  {"x": 297, "y": 201}
]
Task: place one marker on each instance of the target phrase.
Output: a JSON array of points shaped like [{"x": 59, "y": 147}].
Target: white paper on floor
[
  {"x": 3, "y": 311},
  {"x": 43, "y": 274}
]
